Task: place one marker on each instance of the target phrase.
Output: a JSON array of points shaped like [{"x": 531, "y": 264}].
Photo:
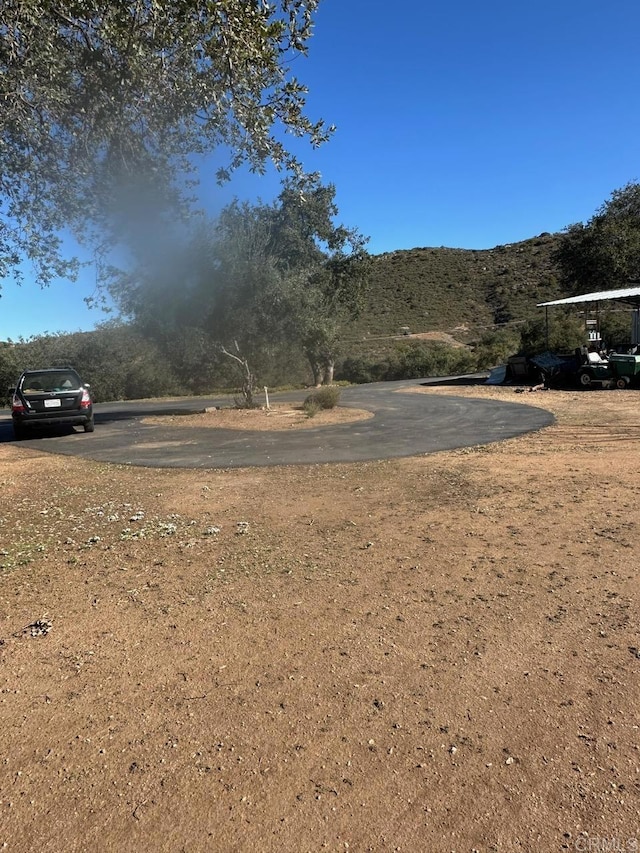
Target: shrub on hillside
[
  {"x": 360, "y": 369},
  {"x": 413, "y": 361},
  {"x": 495, "y": 347},
  {"x": 409, "y": 361},
  {"x": 564, "y": 333}
]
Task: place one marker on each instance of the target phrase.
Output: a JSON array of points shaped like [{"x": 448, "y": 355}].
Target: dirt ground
[
  {"x": 429, "y": 654},
  {"x": 275, "y": 418}
]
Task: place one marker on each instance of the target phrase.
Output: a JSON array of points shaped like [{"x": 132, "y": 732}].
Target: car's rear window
[{"x": 49, "y": 381}]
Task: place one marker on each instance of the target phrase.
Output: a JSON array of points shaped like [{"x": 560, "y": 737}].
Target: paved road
[{"x": 405, "y": 424}]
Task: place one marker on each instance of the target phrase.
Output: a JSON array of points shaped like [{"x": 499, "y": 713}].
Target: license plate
[{"x": 52, "y": 404}]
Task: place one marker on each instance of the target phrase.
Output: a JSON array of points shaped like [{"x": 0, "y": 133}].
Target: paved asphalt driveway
[{"x": 403, "y": 425}]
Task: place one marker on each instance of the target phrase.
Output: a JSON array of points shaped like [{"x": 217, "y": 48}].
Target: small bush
[
  {"x": 322, "y": 398},
  {"x": 311, "y": 407}
]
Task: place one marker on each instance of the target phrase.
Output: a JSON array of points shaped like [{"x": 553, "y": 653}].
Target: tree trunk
[
  {"x": 316, "y": 367},
  {"x": 316, "y": 370},
  {"x": 329, "y": 367},
  {"x": 322, "y": 367}
]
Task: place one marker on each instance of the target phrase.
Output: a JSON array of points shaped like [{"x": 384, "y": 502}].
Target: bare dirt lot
[{"x": 427, "y": 654}]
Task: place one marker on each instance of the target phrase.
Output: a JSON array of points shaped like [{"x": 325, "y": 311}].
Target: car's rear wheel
[
  {"x": 89, "y": 426},
  {"x": 585, "y": 379}
]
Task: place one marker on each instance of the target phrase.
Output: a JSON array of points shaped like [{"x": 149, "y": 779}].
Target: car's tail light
[
  {"x": 86, "y": 399},
  {"x": 17, "y": 405}
]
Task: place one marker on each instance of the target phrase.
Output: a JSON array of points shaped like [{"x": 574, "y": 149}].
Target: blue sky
[{"x": 459, "y": 124}]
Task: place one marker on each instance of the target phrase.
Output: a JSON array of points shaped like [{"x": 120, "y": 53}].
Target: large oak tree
[
  {"x": 106, "y": 104},
  {"x": 287, "y": 272},
  {"x": 262, "y": 278},
  {"x": 604, "y": 253}
]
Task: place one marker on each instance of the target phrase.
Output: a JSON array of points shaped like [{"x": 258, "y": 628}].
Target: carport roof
[{"x": 630, "y": 295}]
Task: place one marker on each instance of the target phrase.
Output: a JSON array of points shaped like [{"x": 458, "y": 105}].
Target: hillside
[
  {"x": 458, "y": 291},
  {"x": 448, "y": 299}
]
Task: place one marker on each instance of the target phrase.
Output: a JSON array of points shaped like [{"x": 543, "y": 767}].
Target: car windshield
[{"x": 49, "y": 382}]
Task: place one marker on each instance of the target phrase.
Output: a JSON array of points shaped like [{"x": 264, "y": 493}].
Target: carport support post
[{"x": 546, "y": 327}]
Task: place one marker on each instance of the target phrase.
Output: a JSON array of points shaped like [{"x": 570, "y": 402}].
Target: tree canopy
[
  {"x": 263, "y": 277},
  {"x": 107, "y": 105},
  {"x": 604, "y": 254},
  {"x": 318, "y": 274}
]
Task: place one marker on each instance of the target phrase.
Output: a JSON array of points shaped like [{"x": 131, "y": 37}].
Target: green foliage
[
  {"x": 115, "y": 360},
  {"x": 326, "y": 397},
  {"x": 413, "y": 360},
  {"x": 566, "y": 332},
  {"x": 9, "y": 369},
  {"x": 287, "y": 273},
  {"x": 615, "y": 326},
  {"x": 496, "y": 346},
  {"x": 265, "y": 278},
  {"x": 360, "y": 369},
  {"x": 604, "y": 254},
  {"x": 311, "y": 407},
  {"x": 461, "y": 291},
  {"x": 106, "y": 107}
]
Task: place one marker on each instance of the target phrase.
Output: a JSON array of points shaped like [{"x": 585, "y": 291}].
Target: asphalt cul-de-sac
[{"x": 404, "y": 424}]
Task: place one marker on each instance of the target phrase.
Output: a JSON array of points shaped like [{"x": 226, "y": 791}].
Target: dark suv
[{"x": 55, "y": 397}]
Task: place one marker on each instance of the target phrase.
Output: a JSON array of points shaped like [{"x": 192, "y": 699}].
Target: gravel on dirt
[{"x": 435, "y": 653}]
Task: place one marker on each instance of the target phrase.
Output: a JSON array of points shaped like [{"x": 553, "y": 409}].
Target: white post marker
[{"x": 266, "y": 396}]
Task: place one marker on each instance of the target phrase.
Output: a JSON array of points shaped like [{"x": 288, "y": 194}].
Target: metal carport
[{"x": 627, "y": 295}]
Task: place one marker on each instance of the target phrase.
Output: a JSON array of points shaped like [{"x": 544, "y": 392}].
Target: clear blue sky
[{"x": 460, "y": 124}]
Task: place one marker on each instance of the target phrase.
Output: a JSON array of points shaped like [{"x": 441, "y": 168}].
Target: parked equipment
[{"x": 625, "y": 369}]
